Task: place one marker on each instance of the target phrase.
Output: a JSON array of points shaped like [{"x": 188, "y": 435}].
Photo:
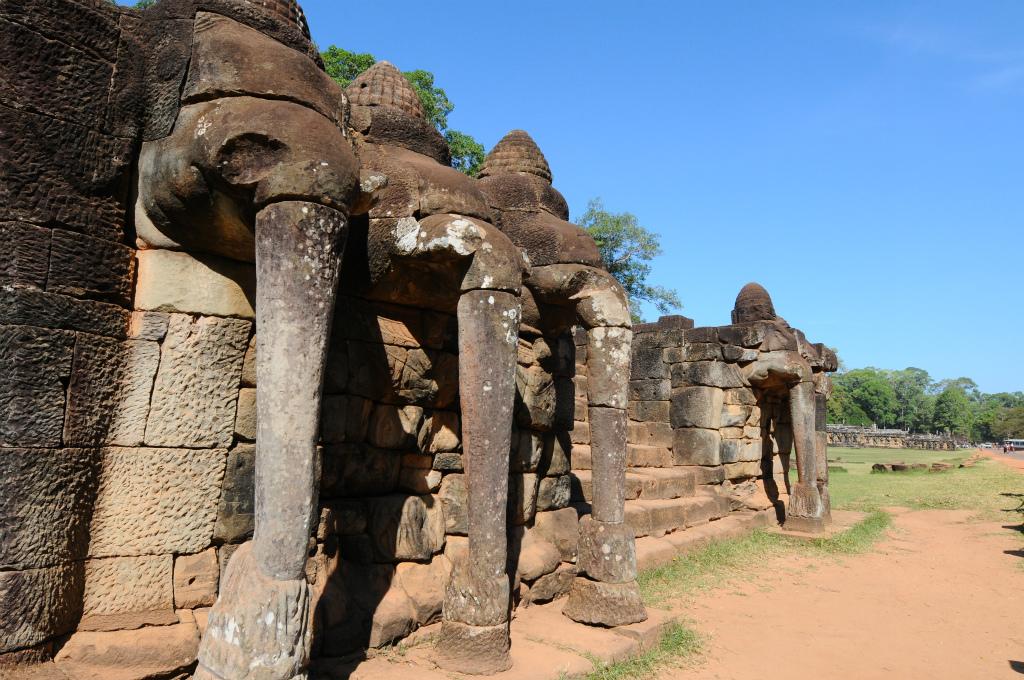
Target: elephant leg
[
  {"x": 606, "y": 592},
  {"x": 474, "y": 634},
  {"x": 806, "y": 511},
  {"x": 259, "y": 627}
]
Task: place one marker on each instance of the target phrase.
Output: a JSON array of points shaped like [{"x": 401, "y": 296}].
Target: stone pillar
[
  {"x": 605, "y": 592},
  {"x": 474, "y": 634},
  {"x": 259, "y": 625},
  {"x": 806, "y": 512}
]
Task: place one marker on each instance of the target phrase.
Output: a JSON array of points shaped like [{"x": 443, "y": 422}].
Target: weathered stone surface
[
  {"x": 608, "y": 366},
  {"x": 536, "y": 398},
  {"x": 245, "y": 416},
  {"x": 172, "y": 281},
  {"x": 604, "y": 604},
  {"x": 341, "y": 518},
  {"x": 425, "y": 584},
  {"x": 419, "y": 480},
  {"x": 229, "y": 58},
  {"x": 648, "y": 456},
  {"x": 155, "y": 651},
  {"x": 649, "y": 411},
  {"x": 476, "y": 598},
  {"x": 440, "y": 432},
  {"x": 553, "y": 493},
  {"x": 555, "y": 458},
  {"x": 394, "y": 427},
  {"x": 37, "y": 604},
  {"x": 697, "y": 407},
  {"x": 344, "y": 418},
  {"x": 650, "y": 390},
  {"x": 235, "y": 512},
  {"x": 156, "y": 501},
  {"x": 552, "y": 586},
  {"x": 195, "y": 579},
  {"x": 127, "y": 592},
  {"x": 448, "y": 461},
  {"x": 25, "y": 259},
  {"x": 697, "y": 446},
  {"x": 148, "y": 325},
  {"x": 249, "y": 364},
  {"x": 745, "y": 335},
  {"x": 454, "y": 497},
  {"x": 522, "y": 497},
  {"x": 742, "y": 470},
  {"x": 743, "y": 395},
  {"x": 85, "y": 266},
  {"x": 709, "y": 373},
  {"x": 561, "y": 529},
  {"x": 607, "y": 552},
  {"x": 67, "y": 173},
  {"x": 734, "y": 415},
  {"x": 648, "y": 363},
  {"x": 534, "y": 556},
  {"x": 741, "y": 450},
  {"x": 405, "y": 527},
  {"x": 46, "y": 500},
  {"x": 108, "y": 397},
  {"x": 34, "y": 361},
  {"x": 359, "y": 470},
  {"x": 196, "y": 386},
  {"x": 649, "y": 434},
  {"x": 238, "y": 639},
  {"x": 701, "y": 351},
  {"x": 708, "y": 474},
  {"x": 474, "y": 650},
  {"x": 24, "y": 307},
  {"x": 530, "y": 450}
]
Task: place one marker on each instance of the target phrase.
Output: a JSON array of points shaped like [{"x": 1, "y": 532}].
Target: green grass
[
  {"x": 724, "y": 561},
  {"x": 981, "y": 488},
  {"x": 678, "y": 643}
]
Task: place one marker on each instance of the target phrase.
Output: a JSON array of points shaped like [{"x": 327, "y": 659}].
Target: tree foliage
[
  {"x": 467, "y": 153},
  {"x": 626, "y": 248},
  {"x": 910, "y": 400}
]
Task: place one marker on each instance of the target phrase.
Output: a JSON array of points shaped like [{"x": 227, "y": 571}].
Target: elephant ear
[{"x": 245, "y": 159}]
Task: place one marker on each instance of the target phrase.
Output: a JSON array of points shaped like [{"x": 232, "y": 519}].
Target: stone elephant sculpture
[
  {"x": 791, "y": 365},
  {"x": 256, "y": 165}
]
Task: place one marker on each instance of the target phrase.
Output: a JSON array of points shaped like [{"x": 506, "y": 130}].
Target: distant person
[{"x": 1004, "y": 448}]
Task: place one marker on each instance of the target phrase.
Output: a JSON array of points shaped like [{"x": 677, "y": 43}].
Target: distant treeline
[{"x": 911, "y": 400}]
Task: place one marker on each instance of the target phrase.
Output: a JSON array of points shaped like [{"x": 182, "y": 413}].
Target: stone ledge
[{"x": 546, "y": 645}]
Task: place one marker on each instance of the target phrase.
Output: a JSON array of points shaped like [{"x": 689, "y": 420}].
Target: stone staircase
[{"x": 659, "y": 500}]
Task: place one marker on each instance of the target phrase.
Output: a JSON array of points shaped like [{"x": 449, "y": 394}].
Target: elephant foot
[
  {"x": 826, "y": 503},
  {"x": 473, "y": 650},
  {"x": 597, "y": 603},
  {"x": 474, "y": 635},
  {"x": 806, "y": 512},
  {"x": 607, "y": 551},
  {"x": 259, "y": 627}
]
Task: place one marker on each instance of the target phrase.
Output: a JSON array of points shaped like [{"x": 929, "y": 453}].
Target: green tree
[
  {"x": 910, "y": 386},
  {"x": 626, "y": 247},
  {"x": 1009, "y": 423},
  {"x": 953, "y": 410},
  {"x": 343, "y": 66},
  {"x": 871, "y": 391},
  {"x": 467, "y": 153}
]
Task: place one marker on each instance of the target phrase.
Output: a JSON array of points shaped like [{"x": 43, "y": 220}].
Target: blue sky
[{"x": 864, "y": 161}]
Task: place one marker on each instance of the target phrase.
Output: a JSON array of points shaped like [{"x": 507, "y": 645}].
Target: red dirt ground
[{"x": 939, "y": 598}]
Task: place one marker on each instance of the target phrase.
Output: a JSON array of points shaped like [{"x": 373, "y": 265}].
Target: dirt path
[{"x": 938, "y": 599}]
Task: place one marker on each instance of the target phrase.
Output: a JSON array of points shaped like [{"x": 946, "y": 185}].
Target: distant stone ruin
[
  {"x": 856, "y": 437},
  {"x": 279, "y": 385}
]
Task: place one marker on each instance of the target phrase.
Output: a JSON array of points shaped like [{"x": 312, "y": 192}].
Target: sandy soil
[{"x": 940, "y": 598}]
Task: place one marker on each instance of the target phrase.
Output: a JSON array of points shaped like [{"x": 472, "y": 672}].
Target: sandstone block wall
[{"x": 852, "y": 436}]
